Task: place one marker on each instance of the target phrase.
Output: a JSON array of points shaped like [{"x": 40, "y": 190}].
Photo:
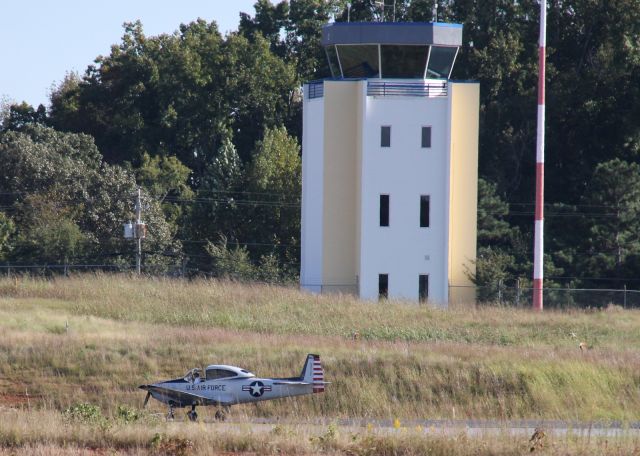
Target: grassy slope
[{"x": 411, "y": 362}]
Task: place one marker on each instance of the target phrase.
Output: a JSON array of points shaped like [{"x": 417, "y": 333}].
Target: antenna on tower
[{"x": 383, "y": 5}]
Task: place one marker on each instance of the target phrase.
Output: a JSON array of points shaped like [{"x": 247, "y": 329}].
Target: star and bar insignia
[{"x": 256, "y": 389}]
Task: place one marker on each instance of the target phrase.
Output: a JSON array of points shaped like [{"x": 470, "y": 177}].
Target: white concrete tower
[{"x": 389, "y": 166}]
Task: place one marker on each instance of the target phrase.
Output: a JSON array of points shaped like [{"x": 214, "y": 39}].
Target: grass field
[{"x": 94, "y": 339}]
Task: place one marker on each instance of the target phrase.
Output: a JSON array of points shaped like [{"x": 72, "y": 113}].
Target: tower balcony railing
[
  {"x": 382, "y": 88},
  {"x": 407, "y": 89}
]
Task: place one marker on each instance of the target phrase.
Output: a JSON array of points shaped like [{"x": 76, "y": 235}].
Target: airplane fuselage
[
  {"x": 232, "y": 391},
  {"x": 224, "y": 386}
]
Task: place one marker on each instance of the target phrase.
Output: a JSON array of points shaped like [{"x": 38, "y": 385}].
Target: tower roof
[
  {"x": 411, "y": 33},
  {"x": 408, "y": 50}
]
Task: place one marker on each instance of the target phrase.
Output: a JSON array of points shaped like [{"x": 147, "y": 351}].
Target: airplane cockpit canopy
[{"x": 216, "y": 372}]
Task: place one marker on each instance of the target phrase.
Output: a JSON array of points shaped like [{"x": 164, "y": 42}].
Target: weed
[
  {"x": 328, "y": 439},
  {"x": 127, "y": 414},
  {"x": 84, "y": 413},
  {"x": 162, "y": 445}
]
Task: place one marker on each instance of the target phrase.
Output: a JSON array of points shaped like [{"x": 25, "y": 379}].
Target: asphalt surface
[{"x": 442, "y": 427}]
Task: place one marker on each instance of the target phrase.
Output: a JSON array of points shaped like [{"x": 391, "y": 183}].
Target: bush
[
  {"x": 84, "y": 413},
  {"x": 127, "y": 414}
]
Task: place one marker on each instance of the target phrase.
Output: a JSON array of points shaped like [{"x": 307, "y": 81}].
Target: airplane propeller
[{"x": 146, "y": 399}]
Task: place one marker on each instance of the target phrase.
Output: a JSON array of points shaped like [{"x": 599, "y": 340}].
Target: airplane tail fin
[{"x": 313, "y": 373}]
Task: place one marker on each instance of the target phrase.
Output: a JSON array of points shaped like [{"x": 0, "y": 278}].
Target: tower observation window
[
  {"x": 359, "y": 61},
  {"x": 441, "y": 61},
  {"x": 406, "y": 61},
  {"x": 332, "y": 57}
]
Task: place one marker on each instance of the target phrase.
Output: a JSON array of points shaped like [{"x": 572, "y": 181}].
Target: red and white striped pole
[{"x": 538, "y": 249}]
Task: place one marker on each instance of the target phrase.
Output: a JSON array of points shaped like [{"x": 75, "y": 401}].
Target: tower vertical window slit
[
  {"x": 385, "y": 136},
  {"x": 426, "y": 137},
  {"x": 384, "y": 210},
  {"x": 383, "y": 286},
  {"x": 423, "y": 287},
  {"x": 424, "y": 211}
]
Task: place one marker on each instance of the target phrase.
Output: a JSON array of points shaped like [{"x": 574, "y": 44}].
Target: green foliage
[
  {"x": 218, "y": 212},
  {"x": 327, "y": 440},
  {"x": 225, "y": 174},
  {"x": 7, "y": 228},
  {"x": 276, "y": 174},
  {"x": 177, "y": 94},
  {"x": 84, "y": 413},
  {"x": 492, "y": 227},
  {"x": 127, "y": 414},
  {"x": 21, "y": 115},
  {"x": 230, "y": 263},
  {"x": 293, "y": 29},
  {"x": 162, "y": 175},
  {"x": 195, "y": 113},
  {"x": 68, "y": 203},
  {"x": 614, "y": 238},
  {"x": 276, "y": 165},
  {"x": 52, "y": 239}
]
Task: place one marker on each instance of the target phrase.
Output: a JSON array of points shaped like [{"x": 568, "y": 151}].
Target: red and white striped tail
[{"x": 318, "y": 375}]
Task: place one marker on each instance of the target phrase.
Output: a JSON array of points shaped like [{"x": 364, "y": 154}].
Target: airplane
[{"x": 224, "y": 386}]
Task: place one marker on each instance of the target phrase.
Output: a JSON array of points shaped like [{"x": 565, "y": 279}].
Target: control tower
[{"x": 389, "y": 166}]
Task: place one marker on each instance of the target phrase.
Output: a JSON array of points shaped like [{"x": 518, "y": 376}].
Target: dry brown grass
[
  {"x": 94, "y": 339},
  {"x": 46, "y": 432}
]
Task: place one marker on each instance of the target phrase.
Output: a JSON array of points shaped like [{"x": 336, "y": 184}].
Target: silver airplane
[{"x": 224, "y": 386}]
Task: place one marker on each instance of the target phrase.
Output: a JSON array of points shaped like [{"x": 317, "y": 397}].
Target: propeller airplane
[{"x": 224, "y": 386}]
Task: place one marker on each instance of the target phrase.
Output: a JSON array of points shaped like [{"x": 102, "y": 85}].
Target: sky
[{"x": 42, "y": 40}]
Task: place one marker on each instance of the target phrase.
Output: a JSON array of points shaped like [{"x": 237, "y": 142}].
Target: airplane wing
[
  {"x": 288, "y": 382},
  {"x": 180, "y": 398}
]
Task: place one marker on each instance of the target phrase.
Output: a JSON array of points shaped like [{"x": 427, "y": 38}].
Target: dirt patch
[{"x": 11, "y": 400}]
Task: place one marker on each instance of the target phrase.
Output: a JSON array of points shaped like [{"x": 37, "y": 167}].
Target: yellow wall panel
[
  {"x": 463, "y": 192},
  {"x": 341, "y": 211}
]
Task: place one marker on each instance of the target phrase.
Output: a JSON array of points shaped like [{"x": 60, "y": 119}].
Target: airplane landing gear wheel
[
  {"x": 221, "y": 415},
  {"x": 170, "y": 415},
  {"x": 192, "y": 415}
]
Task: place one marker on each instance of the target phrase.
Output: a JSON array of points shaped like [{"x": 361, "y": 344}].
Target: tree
[
  {"x": 275, "y": 182},
  {"x": 69, "y": 204},
  {"x": 615, "y": 236},
  {"x": 7, "y": 228},
  {"x": 167, "y": 179},
  {"x": 178, "y": 95},
  {"x": 233, "y": 263},
  {"x": 49, "y": 234},
  {"x": 21, "y": 115}
]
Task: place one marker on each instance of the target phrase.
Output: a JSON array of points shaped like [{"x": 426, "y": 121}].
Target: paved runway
[{"x": 446, "y": 427}]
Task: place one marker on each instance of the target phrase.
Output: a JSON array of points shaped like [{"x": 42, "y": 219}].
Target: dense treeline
[{"x": 209, "y": 126}]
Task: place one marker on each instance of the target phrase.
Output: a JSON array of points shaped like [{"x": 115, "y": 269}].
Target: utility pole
[
  {"x": 138, "y": 237},
  {"x": 137, "y": 231}
]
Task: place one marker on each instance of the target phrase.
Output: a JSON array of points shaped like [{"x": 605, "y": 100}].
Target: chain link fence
[{"x": 554, "y": 298}]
